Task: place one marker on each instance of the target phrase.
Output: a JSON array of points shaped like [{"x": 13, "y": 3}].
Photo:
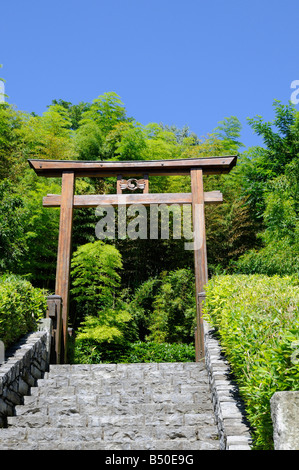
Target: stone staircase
[{"x": 164, "y": 406}]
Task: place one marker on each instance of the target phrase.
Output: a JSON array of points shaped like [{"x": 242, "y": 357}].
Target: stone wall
[
  {"x": 285, "y": 418},
  {"x": 24, "y": 364},
  {"x": 233, "y": 430}
]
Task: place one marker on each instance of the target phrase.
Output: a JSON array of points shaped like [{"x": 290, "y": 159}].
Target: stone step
[
  {"x": 154, "y": 382},
  {"x": 157, "y": 381},
  {"x": 139, "y": 371},
  {"x": 137, "y": 379},
  {"x": 118, "y": 386},
  {"x": 89, "y": 395},
  {"x": 69, "y": 407},
  {"x": 119, "y": 390},
  {"x": 135, "y": 433},
  {"x": 121, "y": 367},
  {"x": 41, "y": 419},
  {"x": 150, "y": 444}
]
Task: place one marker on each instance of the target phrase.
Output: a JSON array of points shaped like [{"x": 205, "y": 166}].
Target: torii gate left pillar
[
  {"x": 62, "y": 286},
  {"x": 69, "y": 170}
]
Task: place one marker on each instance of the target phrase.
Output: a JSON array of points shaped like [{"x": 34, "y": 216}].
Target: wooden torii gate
[{"x": 67, "y": 201}]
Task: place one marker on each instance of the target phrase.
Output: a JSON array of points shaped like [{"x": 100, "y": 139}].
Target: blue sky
[{"x": 190, "y": 62}]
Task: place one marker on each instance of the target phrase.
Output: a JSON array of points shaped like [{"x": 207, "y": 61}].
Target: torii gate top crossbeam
[{"x": 209, "y": 166}]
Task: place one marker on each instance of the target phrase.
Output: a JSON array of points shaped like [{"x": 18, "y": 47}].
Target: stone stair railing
[{"x": 24, "y": 364}]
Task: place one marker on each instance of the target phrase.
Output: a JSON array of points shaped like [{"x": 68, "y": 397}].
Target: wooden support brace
[
  {"x": 94, "y": 200},
  {"x": 146, "y": 184},
  {"x": 118, "y": 188}
]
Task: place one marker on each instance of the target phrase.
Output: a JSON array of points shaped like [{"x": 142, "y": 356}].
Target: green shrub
[
  {"x": 165, "y": 308},
  {"x": 95, "y": 277},
  {"x": 257, "y": 319},
  {"x": 162, "y": 312},
  {"x": 280, "y": 239},
  {"x": 142, "y": 305},
  {"x": 21, "y": 305},
  {"x": 100, "y": 337},
  {"x": 159, "y": 352},
  {"x": 277, "y": 257},
  {"x": 92, "y": 352},
  {"x": 173, "y": 317}
]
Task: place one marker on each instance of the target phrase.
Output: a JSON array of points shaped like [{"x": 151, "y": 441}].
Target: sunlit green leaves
[
  {"x": 95, "y": 273},
  {"x": 257, "y": 318},
  {"x": 21, "y": 305}
]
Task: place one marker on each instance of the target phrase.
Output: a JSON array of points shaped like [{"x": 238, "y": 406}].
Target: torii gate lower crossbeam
[{"x": 70, "y": 170}]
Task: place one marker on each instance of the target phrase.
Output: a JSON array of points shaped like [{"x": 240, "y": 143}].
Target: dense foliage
[
  {"x": 95, "y": 275},
  {"x": 21, "y": 306},
  {"x": 254, "y": 230},
  {"x": 272, "y": 186},
  {"x": 160, "y": 316},
  {"x": 164, "y": 307},
  {"x": 257, "y": 319},
  {"x": 131, "y": 352}
]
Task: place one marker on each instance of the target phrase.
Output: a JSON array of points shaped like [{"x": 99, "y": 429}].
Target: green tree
[
  {"x": 75, "y": 111},
  {"x": 127, "y": 140},
  {"x": 97, "y": 122},
  {"x": 40, "y": 230},
  {"x": 142, "y": 305},
  {"x": 104, "y": 317},
  {"x": 228, "y": 131},
  {"x": 49, "y": 136},
  {"x": 173, "y": 317},
  {"x": 281, "y": 150},
  {"x": 280, "y": 138},
  {"x": 96, "y": 278},
  {"x": 270, "y": 179},
  {"x": 280, "y": 239},
  {"x": 13, "y": 217},
  {"x": 164, "y": 307},
  {"x": 12, "y": 161}
]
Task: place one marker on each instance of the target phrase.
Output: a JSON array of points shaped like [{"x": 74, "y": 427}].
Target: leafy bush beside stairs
[
  {"x": 91, "y": 352},
  {"x": 21, "y": 305},
  {"x": 257, "y": 319}
]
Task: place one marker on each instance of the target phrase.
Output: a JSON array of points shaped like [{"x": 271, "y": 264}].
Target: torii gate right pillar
[{"x": 200, "y": 255}]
